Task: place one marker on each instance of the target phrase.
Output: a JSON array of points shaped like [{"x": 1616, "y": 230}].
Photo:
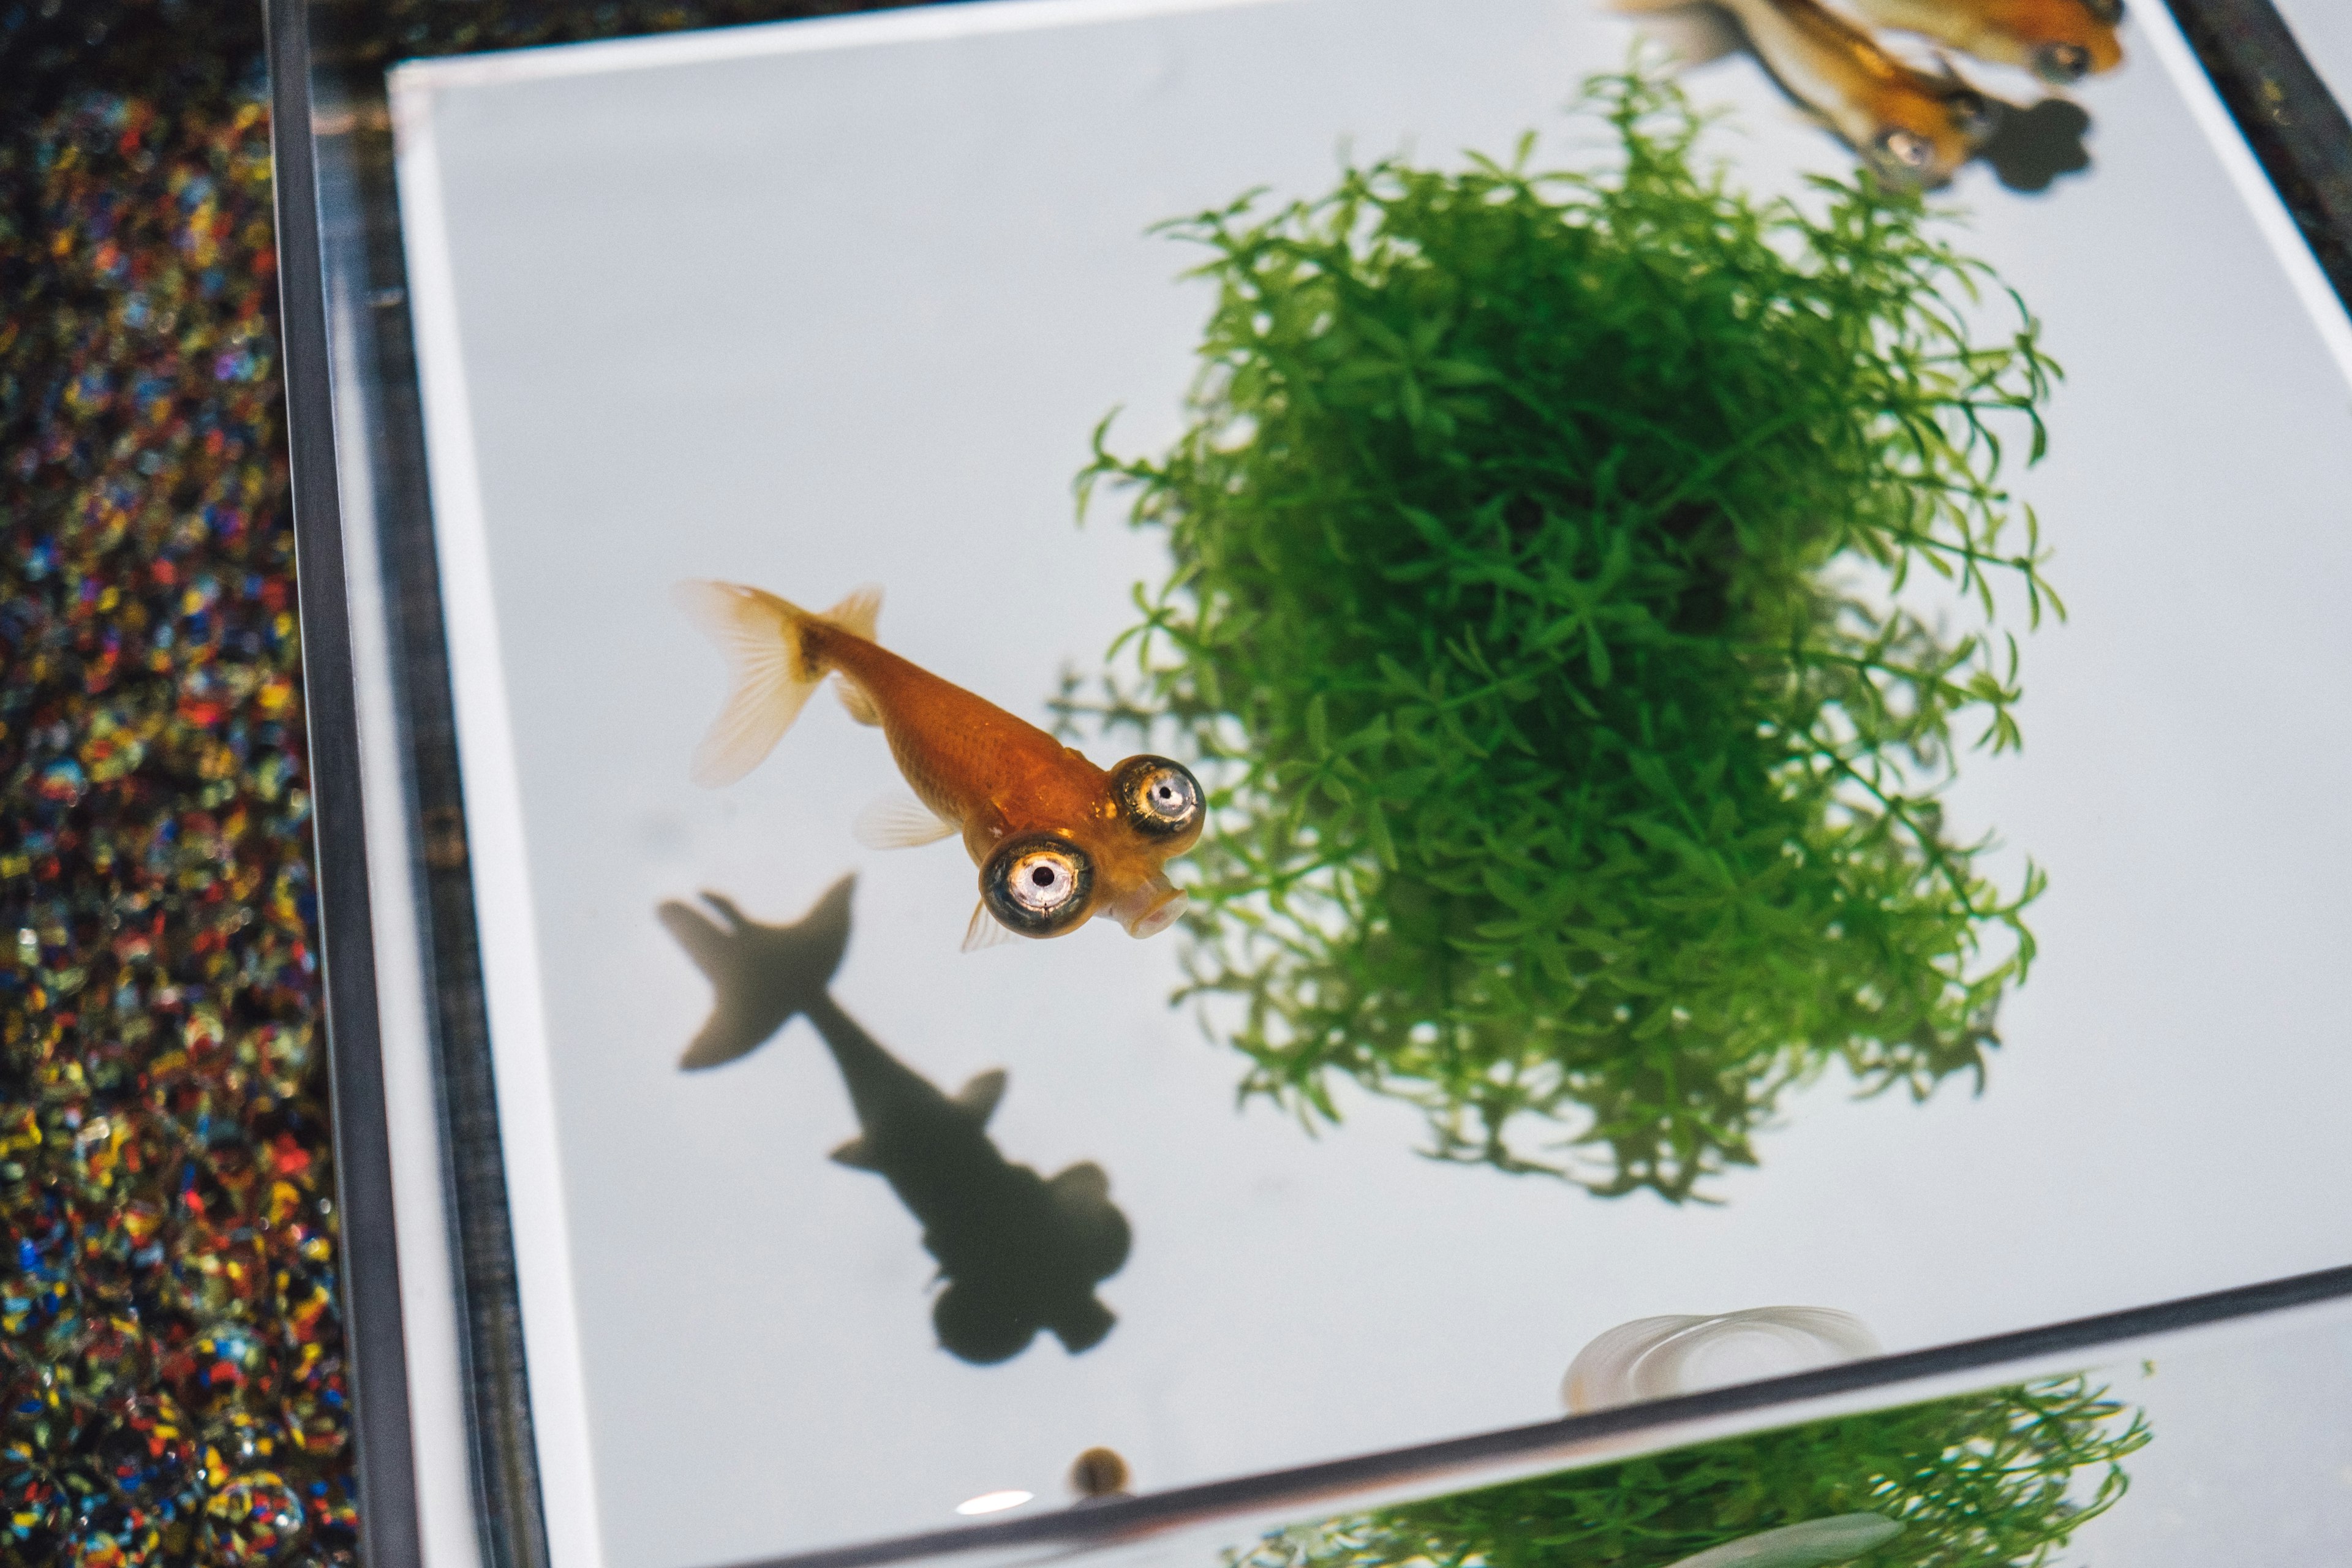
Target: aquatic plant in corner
[{"x": 1544, "y": 619}]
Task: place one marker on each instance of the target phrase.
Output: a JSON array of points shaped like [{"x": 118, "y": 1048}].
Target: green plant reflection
[
  {"x": 1538, "y": 544},
  {"x": 1984, "y": 1480}
]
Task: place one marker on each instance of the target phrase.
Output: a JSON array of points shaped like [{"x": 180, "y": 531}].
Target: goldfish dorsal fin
[
  {"x": 983, "y": 930},
  {"x": 897, "y": 822},
  {"x": 760, "y": 637},
  {"x": 857, "y": 613},
  {"x": 978, "y": 1099},
  {"x": 853, "y": 697},
  {"x": 856, "y": 1155}
]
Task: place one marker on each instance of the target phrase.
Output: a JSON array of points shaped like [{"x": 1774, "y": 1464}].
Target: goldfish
[
  {"x": 1018, "y": 1252},
  {"x": 1057, "y": 839},
  {"x": 2061, "y": 41},
  {"x": 1913, "y": 127}
]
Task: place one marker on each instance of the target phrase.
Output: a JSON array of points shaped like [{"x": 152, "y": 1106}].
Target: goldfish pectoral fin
[
  {"x": 857, "y": 613},
  {"x": 853, "y": 697},
  {"x": 856, "y": 1155},
  {"x": 978, "y": 1099},
  {"x": 899, "y": 822},
  {"x": 759, "y": 634},
  {"x": 984, "y": 931}
]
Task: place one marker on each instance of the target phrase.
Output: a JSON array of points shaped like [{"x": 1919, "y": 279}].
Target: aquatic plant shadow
[{"x": 1019, "y": 1252}]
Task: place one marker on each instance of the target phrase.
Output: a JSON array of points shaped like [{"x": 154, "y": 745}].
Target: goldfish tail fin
[{"x": 769, "y": 681}]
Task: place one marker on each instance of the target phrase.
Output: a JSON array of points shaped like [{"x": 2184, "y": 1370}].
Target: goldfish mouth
[{"x": 1150, "y": 909}]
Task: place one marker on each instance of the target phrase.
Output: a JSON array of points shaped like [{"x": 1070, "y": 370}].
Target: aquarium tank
[{"x": 1545, "y": 614}]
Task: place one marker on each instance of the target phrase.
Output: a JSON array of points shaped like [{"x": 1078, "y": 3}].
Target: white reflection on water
[
  {"x": 1656, "y": 1358},
  {"x": 1841, "y": 1538}
]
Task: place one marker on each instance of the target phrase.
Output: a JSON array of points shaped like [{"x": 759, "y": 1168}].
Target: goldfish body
[
  {"x": 1914, "y": 129},
  {"x": 2060, "y": 41},
  {"x": 1056, "y": 838}
]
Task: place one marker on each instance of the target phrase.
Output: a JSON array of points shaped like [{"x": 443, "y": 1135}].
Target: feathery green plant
[
  {"x": 1537, "y": 540},
  {"x": 1984, "y": 1480}
]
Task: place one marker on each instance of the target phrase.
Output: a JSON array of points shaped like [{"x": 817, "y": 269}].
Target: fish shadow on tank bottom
[
  {"x": 2033, "y": 145},
  {"x": 1019, "y": 1252}
]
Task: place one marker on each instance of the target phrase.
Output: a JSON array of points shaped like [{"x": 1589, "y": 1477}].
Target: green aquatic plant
[
  {"x": 1985, "y": 1480},
  {"x": 1538, "y": 544}
]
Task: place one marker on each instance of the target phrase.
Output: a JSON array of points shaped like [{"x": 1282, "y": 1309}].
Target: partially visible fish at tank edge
[
  {"x": 2060, "y": 41},
  {"x": 1914, "y": 127},
  {"x": 2026, "y": 146}
]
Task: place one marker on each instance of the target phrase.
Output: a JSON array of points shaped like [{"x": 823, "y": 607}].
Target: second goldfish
[
  {"x": 2060, "y": 41},
  {"x": 1913, "y": 127}
]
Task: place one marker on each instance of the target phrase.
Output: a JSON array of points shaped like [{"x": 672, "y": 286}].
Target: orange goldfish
[
  {"x": 1057, "y": 839},
  {"x": 1914, "y": 128},
  {"x": 2060, "y": 41}
]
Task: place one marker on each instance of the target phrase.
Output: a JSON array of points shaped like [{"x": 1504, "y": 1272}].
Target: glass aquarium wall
[{"x": 2209, "y": 1447}]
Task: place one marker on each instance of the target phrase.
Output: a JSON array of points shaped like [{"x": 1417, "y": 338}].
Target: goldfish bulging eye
[
  {"x": 1159, "y": 798},
  {"x": 1903, "y": 153},
  {"x": 1039, "y": 884},
  {"x": 2059, "y": 64},
  {"x": 2108, "y": 11}
]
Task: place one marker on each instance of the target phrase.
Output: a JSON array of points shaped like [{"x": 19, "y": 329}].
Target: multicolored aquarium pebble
[
  {"x": 170, "y": 1352},
  {"x": 169, "y": 1347}
]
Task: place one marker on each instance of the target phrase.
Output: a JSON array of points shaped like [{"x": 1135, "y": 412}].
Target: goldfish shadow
[
  {"x": 2033, "y": 145},
  {"x": 1019, "y": 1252}
]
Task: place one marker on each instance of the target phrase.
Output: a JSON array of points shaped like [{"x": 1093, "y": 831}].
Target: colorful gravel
[
  {"x": 168, "y": 1333},
  {"x": 171, "y": 1349}
]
